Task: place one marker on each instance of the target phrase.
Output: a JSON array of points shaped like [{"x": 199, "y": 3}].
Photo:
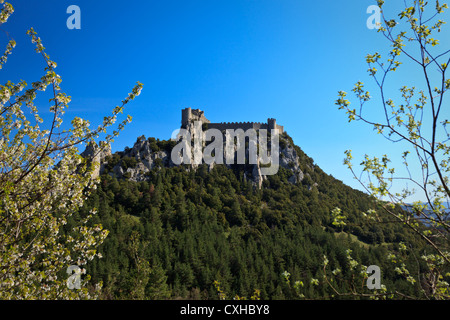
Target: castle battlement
[{"x": 189, "y": 115}]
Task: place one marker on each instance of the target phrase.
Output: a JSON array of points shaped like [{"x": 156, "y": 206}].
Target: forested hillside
[{"x": 209, "y": 233}]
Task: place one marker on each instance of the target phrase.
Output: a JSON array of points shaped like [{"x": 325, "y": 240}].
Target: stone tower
[
  {"x": 189, "y": 115},
  {"x": 186, "y": 115},
  {"x": 272, "y": 123}
]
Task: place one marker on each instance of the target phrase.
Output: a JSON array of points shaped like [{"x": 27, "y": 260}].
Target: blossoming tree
[
  {"x": 43, "y": 181},
  {"x": 416, "y": 123}
]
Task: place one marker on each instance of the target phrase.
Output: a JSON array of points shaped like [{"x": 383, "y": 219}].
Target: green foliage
[
  {"x": 128, "y": 162},
  {"x": 159, "y": 145},
  {"x": 415, "y": 121},
  {"x": 43, "y": 183},
  {"x": 206, "y": 235}
]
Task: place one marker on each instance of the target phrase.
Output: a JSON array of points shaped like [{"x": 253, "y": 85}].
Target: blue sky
[{"x": 238, "y": 60}]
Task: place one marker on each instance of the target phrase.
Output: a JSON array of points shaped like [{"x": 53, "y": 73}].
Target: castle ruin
[{"x": 189, "y": 115}]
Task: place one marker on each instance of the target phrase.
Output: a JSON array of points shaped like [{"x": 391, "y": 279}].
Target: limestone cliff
[
  {"x": 98, "y": 155},
  {"x": 148, "y": 154}
]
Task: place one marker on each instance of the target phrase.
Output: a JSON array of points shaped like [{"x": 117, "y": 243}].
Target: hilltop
[
  {"x": 135, "y": 163},
  {"x": 198, "y": 231},
  {"x": 145, "y": 155}
]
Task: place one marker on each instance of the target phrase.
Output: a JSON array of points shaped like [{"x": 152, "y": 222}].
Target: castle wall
[
  {"x": 242, "y": 125},
  {"x": 189, "y": 114},
  {"x": 280, "y": 129},
  {"x": 237, "y": 125}
]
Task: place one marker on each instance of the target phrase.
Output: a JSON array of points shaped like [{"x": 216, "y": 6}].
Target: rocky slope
[{"x": 147, "y": 154}]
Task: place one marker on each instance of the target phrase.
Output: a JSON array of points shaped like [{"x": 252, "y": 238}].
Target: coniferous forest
[
  {"x": 211, "y": 234},
  {"x": 145, "y": 224}
]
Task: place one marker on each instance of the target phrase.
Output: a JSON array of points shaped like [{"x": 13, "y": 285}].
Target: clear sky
[{"x": 238, "y": 60}]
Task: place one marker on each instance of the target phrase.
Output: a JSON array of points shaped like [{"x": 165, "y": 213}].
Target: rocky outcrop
[
  {"x": 98, "y": 155},
  {"x": 143, "y": 157},
  {"x": 146, "y": 155},
  {"x": 290, "y": 160}
]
